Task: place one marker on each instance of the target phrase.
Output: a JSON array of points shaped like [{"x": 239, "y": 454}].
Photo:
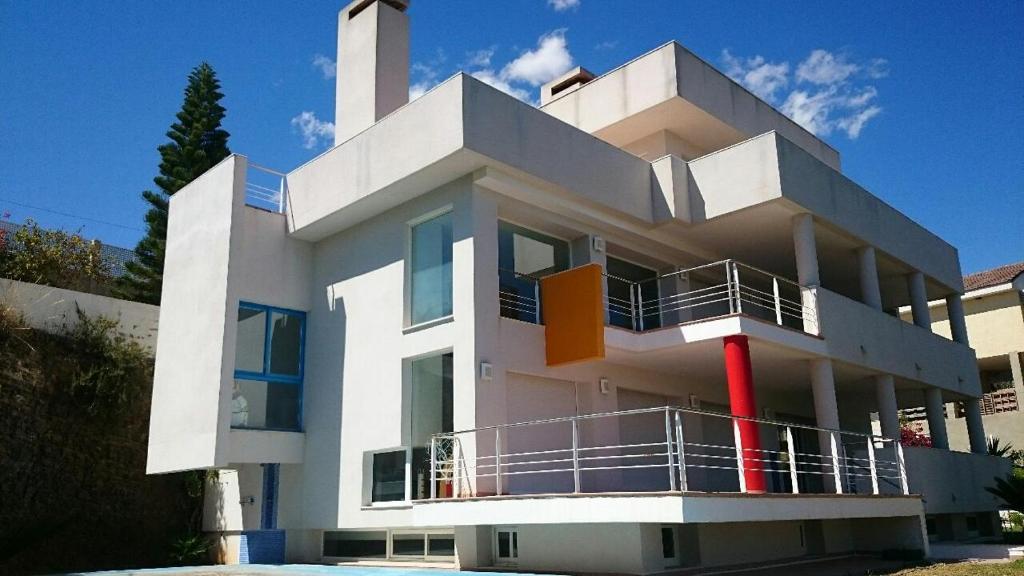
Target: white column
[
  {"x": 975, "y": 427},
  {"x": 888, "y": 412},
  {"x": 806, "y": 250},
  {"x": 826, "y": 413},
  {"x": 936, "y": 420},
  {"x": 870, "y": 293},
  {"x": 919, "y": 300},
  {"x": 957, "y": 322},
  {"x": 1018, "y": 376}
]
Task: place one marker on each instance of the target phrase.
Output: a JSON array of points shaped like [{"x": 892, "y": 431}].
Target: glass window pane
[
  {"x": 355, "y": 544},
  {"x": 251, "y": 333},
  {"x": 523, "y": 256},
  {"x": 668, "y": 542},
  {"x": 407, "y": 545},
  {"x": 266, "y": 405},
  {"x": 624, "y": 307},
  {"x": 285, "y": 338},
  {"x": 430, "y": 413},
  {"x": 431, "y": 269},
  {"x": 440, "y": 545},
  {"x": 504, "y": 546},
  {"x": 388, "y": 476}
]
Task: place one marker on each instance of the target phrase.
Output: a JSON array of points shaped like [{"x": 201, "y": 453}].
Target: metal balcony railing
[
  {"x": 646, "y": 450},
  {"x": 708, "y": 291},
  {"x": 266, "y": 189}
]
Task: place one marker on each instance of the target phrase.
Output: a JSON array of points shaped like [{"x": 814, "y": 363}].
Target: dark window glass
[
  {"x": 356, "y": 544},
  {"x": 523, "y": 257},
  {"x": 407, "y": 545},
  {"x": 440, "y": 545},
  {"x": 633, "y": 286},
  {"x": 389, "y": 476},
  {"x": 504, "y": 544},
  {"x": 668, "y": 542},
  {"x": 285, "y": 342}
]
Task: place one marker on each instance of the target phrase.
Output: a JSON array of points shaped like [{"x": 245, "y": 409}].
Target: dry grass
[{"x": 966, "y": 569}]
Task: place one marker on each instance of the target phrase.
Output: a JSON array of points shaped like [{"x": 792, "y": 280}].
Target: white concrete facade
[{"x": 702, "y": 172}]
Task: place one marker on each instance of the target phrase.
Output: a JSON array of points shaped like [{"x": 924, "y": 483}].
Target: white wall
[
  {"x": 954, "y": 482},
  {"x": 54, "y": 309}
]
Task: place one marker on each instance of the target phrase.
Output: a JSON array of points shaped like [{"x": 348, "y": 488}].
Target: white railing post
[
  {"x": 575, "y": 456},
  {"x": 536, "y": 299},
  {"x": 640, "y": 305},
  {"x": 281, "y": 201},
  {"x": 778, "y": 301},
  {"x": 728, "y": 287},
  {"x": 871, "y": 462},
  {"x": 680, "y": 452},
  {"x": 902, "y": 466},
  {"x": 739, "y": 454},
  {"x": 739, "y": 293},
  {"x": 497, "y": 461},
  {"x": 632, "y": 306},
  {"x": 835, "y": 463},
  {"x": 433, "y": 467},
  {"x": 668, "y": 450},
  {"x": 791, "y": 448}
]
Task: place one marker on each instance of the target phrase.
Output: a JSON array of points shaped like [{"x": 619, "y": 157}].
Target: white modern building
[{"x": 642, "y": 326}]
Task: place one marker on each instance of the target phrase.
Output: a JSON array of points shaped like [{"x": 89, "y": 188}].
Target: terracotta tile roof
[{"x": 993, "y": 277}]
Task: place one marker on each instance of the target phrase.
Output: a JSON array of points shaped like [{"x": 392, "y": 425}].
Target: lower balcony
[{"x": 668, "y": 449}]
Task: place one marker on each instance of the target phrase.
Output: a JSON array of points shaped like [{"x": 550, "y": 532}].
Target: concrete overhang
[
  {"x": 736, "y": 187},
  {"x": 459, "y": 127},
  {"x": 670, "y": 88},
  {"x": 659, "y": 507}
]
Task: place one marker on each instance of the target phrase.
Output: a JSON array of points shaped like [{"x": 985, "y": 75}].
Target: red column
[{"x": 741, "y": 403}]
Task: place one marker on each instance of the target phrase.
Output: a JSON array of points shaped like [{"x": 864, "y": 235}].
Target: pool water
[{"x": 295, "y": 570}]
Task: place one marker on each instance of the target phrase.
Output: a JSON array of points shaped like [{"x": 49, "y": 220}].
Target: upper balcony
[{"x": 689, "y": 295}]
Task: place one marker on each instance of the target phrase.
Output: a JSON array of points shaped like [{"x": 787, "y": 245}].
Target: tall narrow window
[
  {"x": 431, "y": 267},
  {"x": 430, "y": 413},
  {"x": 525, "y": 256},
  {"x": 267, "y": 392}
]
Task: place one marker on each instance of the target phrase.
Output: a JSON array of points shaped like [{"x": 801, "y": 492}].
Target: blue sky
[{"x": 925, "y": 103}]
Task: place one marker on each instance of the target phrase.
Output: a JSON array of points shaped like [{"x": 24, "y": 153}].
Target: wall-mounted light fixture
[
  {"x": 602, "y": 385},
  {"x": 486, "y": 371},
  {"x": 598, "y": 244}
]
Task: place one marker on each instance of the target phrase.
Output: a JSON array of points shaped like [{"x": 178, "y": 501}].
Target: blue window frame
[{"x": 269, "y": 364}]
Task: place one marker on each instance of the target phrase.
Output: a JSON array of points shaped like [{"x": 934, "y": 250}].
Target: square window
[
  {"x": 388, "y": 476},
  {"x": 411, "y": 545}
]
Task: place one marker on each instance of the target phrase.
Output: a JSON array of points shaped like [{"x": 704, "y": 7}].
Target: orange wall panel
[{"x": 571, "y": 302}]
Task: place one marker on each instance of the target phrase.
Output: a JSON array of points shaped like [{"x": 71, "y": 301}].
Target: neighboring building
[
  {"x": 640, "y": 327},
  {"x": 994, "y": 308}
]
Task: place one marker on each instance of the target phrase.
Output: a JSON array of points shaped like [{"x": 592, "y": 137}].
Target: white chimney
[{"x": 373, "y": 64}]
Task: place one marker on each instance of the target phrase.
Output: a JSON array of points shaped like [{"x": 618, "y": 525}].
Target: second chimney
[{"x": 373, "y": 64}]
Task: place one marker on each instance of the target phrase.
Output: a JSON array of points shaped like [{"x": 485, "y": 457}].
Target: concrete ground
[{"x": 982, "y": 552}]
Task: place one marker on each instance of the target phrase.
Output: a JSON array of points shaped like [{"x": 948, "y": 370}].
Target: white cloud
[
  {"x": 488, "y": 76},
  {"x": 839, "y": 99},
  {"x": 548, "y": 61},
  {"x": 563, "y": 5},
  {"x": 823, "y": 67},
  {"x": 606, "y": 45},
  {"x": 326, "y": 66},
  {"x": 480, "y": 58},
  {"x": 760, "y": 77},
  {"x": 315, "y": 132}
]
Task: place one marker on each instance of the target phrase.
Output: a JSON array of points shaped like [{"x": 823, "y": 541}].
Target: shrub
[{"x": 54, "y": 258}]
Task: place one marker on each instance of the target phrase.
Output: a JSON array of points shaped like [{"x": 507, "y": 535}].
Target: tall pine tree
[{"x": 197, "y": 144}]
